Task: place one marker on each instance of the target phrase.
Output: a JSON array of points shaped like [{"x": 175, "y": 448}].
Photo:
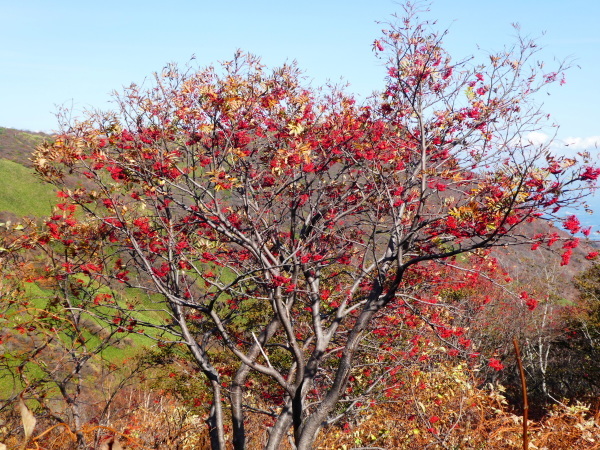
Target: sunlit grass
[{"x": 21, "y": 193}]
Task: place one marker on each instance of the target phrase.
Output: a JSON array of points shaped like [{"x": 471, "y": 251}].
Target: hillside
[
  {"x": 542, "y": 267},
  {"x": 21, "y": 193},
  {"x": 17, "y": 145}
]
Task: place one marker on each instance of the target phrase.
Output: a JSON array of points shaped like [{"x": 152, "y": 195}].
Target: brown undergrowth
[{"x": 440, "y": 408}]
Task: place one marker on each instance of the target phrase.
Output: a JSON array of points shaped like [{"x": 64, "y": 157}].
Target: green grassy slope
[{"x": 21, "y": 193}]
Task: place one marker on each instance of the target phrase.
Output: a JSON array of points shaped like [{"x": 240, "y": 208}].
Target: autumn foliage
[{"x": 298, "y": 243}]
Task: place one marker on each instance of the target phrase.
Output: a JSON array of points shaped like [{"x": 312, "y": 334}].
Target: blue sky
[
  {"x": 74, "y": 53},
  {"x": 77, "y": 52}
]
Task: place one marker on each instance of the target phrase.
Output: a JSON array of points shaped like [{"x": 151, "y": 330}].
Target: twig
[
  {"x": 261, "y": 350},
  {"x": 524, "y": 392}
]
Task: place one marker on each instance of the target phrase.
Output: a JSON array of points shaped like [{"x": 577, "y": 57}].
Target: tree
[
  {"x": 55, "y": 334},
  {"x": 573, "y": 368},
  {"x": 276, "y": 224}
]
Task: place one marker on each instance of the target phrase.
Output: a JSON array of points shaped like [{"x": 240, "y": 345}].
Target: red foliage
[{"x": 298, "y": 220}]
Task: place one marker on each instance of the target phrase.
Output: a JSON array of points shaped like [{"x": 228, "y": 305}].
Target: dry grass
[{"x": 437, "y": 409}]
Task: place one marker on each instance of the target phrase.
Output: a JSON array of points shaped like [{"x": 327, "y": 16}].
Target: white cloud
[
  {"x": 533, "y": 138},
  {"x": 569, "y": 146},
  {"x": 575, "y": 143},
  {"x": 536, "y": 138},
  {"x": 580, "y": 143}
]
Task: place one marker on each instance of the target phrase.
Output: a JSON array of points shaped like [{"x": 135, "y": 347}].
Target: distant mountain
[
  {"x": 18, "y": 145},
  {"x": 540, "y": 267}
]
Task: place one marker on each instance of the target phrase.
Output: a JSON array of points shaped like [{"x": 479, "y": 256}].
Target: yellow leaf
[
  {"x": 27, "y": 418},
  {"x": 295, "y": 129},
  {"x": 470, "y": 93}
]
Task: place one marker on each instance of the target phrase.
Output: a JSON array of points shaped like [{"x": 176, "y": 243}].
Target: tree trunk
[
  {"x": 310, "y": 427},
  {"x": 215, "y": 418},
  {"x": 281, "y": 427},
  {"x": 237, "y": 394},
  {"x": 237, "y": 412}
]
